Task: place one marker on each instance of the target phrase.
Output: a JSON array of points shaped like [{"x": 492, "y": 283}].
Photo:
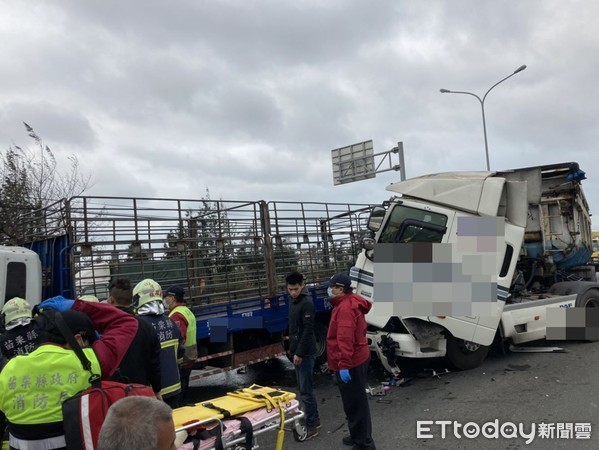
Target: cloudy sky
[{"x": 247, "y": 98}]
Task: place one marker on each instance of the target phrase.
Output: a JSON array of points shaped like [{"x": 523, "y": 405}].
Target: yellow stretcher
[{"x": 234, "y": 420}]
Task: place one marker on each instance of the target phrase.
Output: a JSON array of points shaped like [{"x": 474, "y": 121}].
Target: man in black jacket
[
  {"x": 149, "y": 307},
  {"x": 302, "y": 347},
  {"x": 141, "y": 363}
]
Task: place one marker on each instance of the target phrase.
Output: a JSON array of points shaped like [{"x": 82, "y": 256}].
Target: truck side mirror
[{"x": 376, "y": 218}]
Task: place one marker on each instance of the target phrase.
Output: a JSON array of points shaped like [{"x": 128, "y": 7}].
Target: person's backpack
[{"x": 84, "y": 413}]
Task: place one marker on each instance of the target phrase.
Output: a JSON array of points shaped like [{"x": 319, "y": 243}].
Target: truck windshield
[{"x": 413, "y": 225}]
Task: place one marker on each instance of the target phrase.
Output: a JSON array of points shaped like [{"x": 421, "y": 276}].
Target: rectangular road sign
[{"x": 352, "y": 163}]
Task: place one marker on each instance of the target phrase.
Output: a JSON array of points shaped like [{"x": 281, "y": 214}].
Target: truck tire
[
  {"x": 590, "y": 299},
  {"x": 320, "y": 335},
  {"x": 465, "y": 355}
]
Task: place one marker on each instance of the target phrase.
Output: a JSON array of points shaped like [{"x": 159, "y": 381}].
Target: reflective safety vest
[
  {"x": 191, "y": 335},
  {"x": 33, "y": 386},
  {"x": 168, "y": 335}
]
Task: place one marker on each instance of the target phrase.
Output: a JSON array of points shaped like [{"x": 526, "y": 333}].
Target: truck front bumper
[{"x": 408, "y": 346}]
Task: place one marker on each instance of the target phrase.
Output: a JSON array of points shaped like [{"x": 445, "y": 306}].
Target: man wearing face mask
[
  {"x": 348, "y": 357},
  {"x": 185, "y": 320}
]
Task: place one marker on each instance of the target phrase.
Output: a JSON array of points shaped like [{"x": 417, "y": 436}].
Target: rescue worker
[
  {"x": 33, "y": 386},
  {"x": 348, "y": 356},
  {"x": 22, "y": 334},
  {"x": 148, "y": 305},
  {"x": 141, "y": 363},
  {"x": 174, "y": 297}
]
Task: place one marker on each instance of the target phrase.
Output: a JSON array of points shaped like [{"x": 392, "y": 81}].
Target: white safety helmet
[
  {"x": 146, "y": 291},
  {"x": 89, "y": 298},
  {"x": 16, "y": 308}
]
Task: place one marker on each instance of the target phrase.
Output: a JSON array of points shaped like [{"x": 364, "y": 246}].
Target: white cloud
[{"x": 248, "y": 98}]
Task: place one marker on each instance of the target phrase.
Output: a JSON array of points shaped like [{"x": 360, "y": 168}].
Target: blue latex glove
[
  {"x": 57, "y": 303},
  {"x": 345, "y": 376}
]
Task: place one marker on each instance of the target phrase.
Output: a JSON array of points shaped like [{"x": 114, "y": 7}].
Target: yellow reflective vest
[
  {"x": 191, "y": 335},
  {"x": 33, "y": 386},
  {"x": 191, "y": 349}
]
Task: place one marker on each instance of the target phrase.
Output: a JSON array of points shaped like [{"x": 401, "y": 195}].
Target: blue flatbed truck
[{"x": 231, "y": 257}]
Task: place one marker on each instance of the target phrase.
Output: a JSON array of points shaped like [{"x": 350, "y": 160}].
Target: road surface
[{"x": 560, "y": 390}]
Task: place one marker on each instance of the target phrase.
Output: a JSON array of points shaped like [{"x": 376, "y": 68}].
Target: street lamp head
[
  {"x": 520, "y": 69},
  {"x": 482, "y": 105}
]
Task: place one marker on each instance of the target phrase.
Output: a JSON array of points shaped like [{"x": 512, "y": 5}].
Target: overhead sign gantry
[{"x": 359, "y": 162}]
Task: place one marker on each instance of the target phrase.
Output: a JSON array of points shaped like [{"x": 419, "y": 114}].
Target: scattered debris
[
  {"x": 517, "y": 368},
  {"x": 378, "y": 390},
  {"x": 337, "y": 428},
  {"x": 515, "y": 349},
  {"x": 393, "y": 381},
  {"x": 405, "y": 382},
  {"x": 426, "y": 373}
]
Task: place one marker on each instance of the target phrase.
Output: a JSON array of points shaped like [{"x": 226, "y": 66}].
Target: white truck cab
[{"x": 542, "y": 218}]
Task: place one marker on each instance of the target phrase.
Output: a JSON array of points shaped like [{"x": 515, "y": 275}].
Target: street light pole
[{"x": 482, "y": 106}]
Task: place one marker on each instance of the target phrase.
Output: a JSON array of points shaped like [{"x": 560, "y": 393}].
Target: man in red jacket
[{"x": 348, "y": 357}]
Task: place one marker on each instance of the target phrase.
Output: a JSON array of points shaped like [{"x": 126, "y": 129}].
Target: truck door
[
  {"x": 498, "y": 261},
  {"x": 459, "y": 291},
  {"x": 506, "y": 264}
]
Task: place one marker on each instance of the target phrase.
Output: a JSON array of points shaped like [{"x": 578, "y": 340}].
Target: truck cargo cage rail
[{"x": 218, "y": 250}]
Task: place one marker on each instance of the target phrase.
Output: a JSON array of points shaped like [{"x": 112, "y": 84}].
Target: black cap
[
  {"x": 177, "y": 291},
  {"x": 78, "y": 323},
  {"x": 341, "y": 279}
]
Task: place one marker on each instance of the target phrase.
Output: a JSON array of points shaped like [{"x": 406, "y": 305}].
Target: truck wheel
[
  {"x": 465, "y": 355},
  {"x": 320, "y": 334},
  {"x": 590, "y": 299}
]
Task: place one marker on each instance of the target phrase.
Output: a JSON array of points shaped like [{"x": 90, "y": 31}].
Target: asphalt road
[{"x": 518, "y": 388}]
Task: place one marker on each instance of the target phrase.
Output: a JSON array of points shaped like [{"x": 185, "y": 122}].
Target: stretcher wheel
[{"x": 300, "y": 432}]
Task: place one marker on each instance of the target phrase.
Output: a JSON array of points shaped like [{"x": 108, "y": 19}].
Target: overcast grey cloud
[{"x": 248, "y": 98}]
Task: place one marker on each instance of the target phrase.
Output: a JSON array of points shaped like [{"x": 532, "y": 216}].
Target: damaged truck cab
[{"x": 533, "y": 260}]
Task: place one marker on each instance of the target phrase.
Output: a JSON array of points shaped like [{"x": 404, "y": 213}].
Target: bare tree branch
[{"x": 30, "y": 179}]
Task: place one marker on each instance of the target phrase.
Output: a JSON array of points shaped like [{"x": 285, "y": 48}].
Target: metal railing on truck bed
[
  {"x": 231, "y": 258},
  {"x": 219, "y": 251}
]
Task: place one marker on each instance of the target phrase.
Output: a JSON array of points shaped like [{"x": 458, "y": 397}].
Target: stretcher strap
[
  {"x": 247, "y": 429},
  {"x": 270, "y": 398},
  {"x": 226, "y": 414},
  {"x": 281, "y": 433},
  {"x": 265, "y": 401}
]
